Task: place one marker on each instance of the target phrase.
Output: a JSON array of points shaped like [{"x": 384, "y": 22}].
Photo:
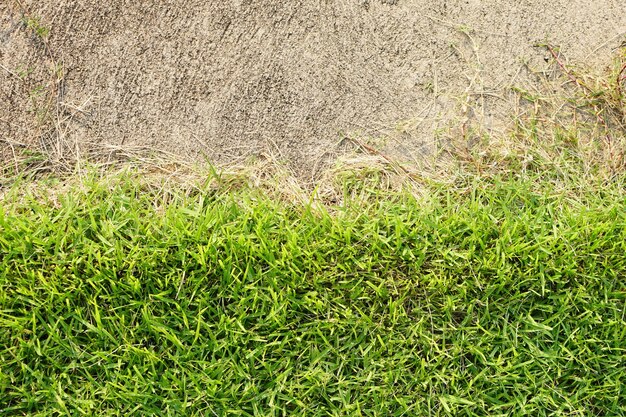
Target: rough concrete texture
[{"x": 229, "y": 79}]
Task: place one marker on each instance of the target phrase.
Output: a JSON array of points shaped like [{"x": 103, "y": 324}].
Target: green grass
[{"x": 495, "y": 298}]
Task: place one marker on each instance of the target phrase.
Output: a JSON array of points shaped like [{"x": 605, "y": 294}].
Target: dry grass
[
  {"x": 574, "y": 122},
  {"x": 570, "y": 131}
]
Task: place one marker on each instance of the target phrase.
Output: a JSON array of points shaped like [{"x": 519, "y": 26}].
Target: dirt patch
[{"x": 227, "y": 80}]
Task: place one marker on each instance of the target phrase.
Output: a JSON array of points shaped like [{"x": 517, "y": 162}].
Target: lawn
[{"x": 493, "y": 297}]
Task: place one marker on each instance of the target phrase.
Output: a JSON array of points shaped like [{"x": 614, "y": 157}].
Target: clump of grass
[
  {"x": 487, "y": 299},
  {"x": 570, "y": 130}
]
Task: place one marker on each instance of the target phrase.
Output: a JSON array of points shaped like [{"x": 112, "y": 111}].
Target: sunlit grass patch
[{"x": 487, "y": 299}]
